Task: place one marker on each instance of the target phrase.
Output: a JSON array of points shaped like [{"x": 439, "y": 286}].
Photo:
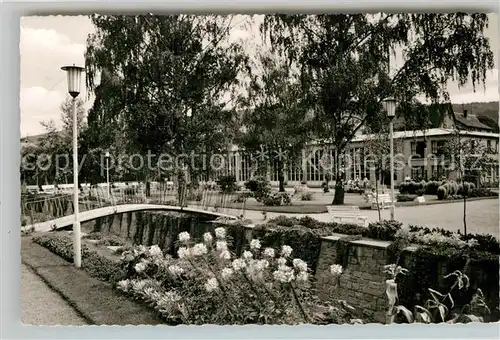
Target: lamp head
[
  {"x": 107, "y": 154},
  {"x": 390, "y": 104},
  {"x": 74, "y": 79}
]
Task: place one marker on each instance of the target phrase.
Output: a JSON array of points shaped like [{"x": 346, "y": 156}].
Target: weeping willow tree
[
  {"x": 343, "y": 61},
  {"x": 170, "y": 82}
]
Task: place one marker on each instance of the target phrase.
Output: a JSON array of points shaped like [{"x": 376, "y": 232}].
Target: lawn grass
[{"x": 95, "y": 300}]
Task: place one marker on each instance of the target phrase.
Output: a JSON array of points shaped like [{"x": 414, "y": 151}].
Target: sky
[{"x": 50, "y": 42}]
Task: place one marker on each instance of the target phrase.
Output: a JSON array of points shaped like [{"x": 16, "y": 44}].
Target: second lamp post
[{"x": 391, "y": 112}]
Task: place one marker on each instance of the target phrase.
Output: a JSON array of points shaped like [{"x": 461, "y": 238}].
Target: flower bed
[
  {"x": 206, "y": 284},
  {"x": 240, "y": 266}
]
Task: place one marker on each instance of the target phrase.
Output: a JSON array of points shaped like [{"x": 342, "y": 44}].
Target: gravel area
[{"x": 40, "y": 305}]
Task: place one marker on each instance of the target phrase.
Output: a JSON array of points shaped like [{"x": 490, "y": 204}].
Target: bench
[
  {"x": 340, "y": 213},
  {"x": 384, "y": 201}
]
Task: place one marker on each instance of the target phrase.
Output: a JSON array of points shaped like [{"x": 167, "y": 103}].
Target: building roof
[{"x": 471, "y": 121}]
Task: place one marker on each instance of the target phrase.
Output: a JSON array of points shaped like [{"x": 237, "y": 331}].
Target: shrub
[
  {"x": 306, "y": 196},
  {"x": 277, "y": 199},
  {"x": 405, "y": 198},
  {"x": 260, "y": 187},
  {"x": 442, "y": 192},
  {"x": 194, "y": 196},
  {"x": 227, "y": 184},
  {"x": 431, "y": 188},
  {"x": 242, "y": 197},
  {"x": 96, "y": 265},
  {"x": 452, "y": 188},
  {"x": 420, "y": 192},
  {"x": 383, "y": 230},
  {"x": 482, "y": 193}
]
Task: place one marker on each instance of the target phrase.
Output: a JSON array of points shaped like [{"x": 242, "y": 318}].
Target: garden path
[{"x": 36, "y": 296}]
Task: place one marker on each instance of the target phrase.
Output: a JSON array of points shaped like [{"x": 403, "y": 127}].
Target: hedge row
[
  {"x": 96, "y": 265},
  {"x": 381, "y": 230}
]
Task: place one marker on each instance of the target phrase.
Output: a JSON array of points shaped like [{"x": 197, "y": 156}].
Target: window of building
[
  {"x": 245, "y": 167},
  {"x": 473, "y": 145},
  {"x": 418, "y": 149},
  {"x": 295, "y": 171},
  {"x": 418, "y": 173},
  {"x": 488, "y": 145},
  {"x": 314, "y": 168}
]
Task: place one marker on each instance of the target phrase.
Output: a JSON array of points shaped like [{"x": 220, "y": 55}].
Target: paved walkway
[
  {"x": 40, "y": 305},
  {"x": 482, "y": 216}
]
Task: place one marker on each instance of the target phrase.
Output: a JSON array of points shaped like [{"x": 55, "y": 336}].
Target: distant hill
[{"x": 487, "y": 113}]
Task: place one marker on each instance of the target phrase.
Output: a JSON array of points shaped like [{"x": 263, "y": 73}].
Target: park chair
[{"x": 342, "y": 213}]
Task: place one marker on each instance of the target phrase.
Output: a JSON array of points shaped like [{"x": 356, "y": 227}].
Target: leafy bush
[
  {"x": 260, "y": 187},
  {"x": 194, "y": 196},
  {"x": 227, "y": 184},
  {"x": 383, "y": 230},
  {"x": 411, "y": 187},
  {"x": 484, "y": 242},
  {"x": 242, "y": 197},
  {"x": 405, "y": 198},
  {"x": 306, "y": 196},
  {"x": 105, "y": 240},
  {"x": 431, "y": 187},
  {"x": 96, "y": 265},
  {"x": 442, "y": 192},
  {"x": 482, "y": 193},
  {"x": 277, "y": 199}
]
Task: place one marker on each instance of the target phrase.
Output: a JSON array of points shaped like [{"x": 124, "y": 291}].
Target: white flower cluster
[
  {"x": 207, "y": 238},
  {"x": 226, "y": 273},
  {"x": 220, "y": 233},
  {"x": 269, "y": 252},
  {"x": 211, "y": 285},
  {"x": 286, "y": 251},
  {"x": 336, "y": 269},
  {"x": 141, "y": 266},
  {"x": 124, "y": 285},
  {"x": 239, "y": 264},
  {"x": 199, "y": 249},
  {"x": 221, "y": 245},
  {"x": 284, "y": 274},
  {"x": 247, "y": 255},
  {"x": 175, "y": 270},
  {"x": 255, "y": 244},
  {"x": 255, "y": 269},
  {"x": 183, "y": 252},
  {"x": 155, "y": 251},
  {"x": 184, "y": 237},
  {"x": 300, "y": 265}
]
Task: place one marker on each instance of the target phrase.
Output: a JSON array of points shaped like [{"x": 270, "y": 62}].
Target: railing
[{"x": 43, "y": 208}]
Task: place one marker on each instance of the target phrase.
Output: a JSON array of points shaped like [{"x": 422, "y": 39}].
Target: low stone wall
[
  {"x": 362, "y": 283},
  {"x": 148, "y": 228}
]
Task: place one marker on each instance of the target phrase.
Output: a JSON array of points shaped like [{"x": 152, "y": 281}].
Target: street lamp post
[
  {"x": 107, "y": 174},
  {"x": 391, "y": 112},
  {"x": 74, "y": 80}
]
